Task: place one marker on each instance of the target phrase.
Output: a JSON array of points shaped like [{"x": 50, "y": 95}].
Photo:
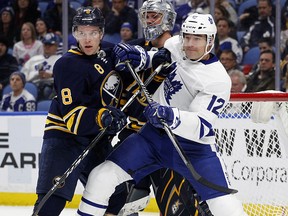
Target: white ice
[{"x": 27, "y": 211}]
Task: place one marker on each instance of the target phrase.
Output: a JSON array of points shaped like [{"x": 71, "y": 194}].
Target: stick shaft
[{"x": 177, "y": 145}]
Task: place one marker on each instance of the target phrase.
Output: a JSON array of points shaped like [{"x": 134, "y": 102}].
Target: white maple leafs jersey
[
  {"x": 23, "y": 102},
  {"x": 200, "y": 90},
  {"x": 31, "y": 67}
]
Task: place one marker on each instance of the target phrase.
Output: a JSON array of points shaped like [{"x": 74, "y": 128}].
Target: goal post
[{"x": 256, "y": 154}]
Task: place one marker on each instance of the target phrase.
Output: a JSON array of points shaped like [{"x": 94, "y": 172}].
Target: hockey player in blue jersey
[
  {"x": 189, "y": 101},
  {"x": 88, "y": 90},
  {"x": 19, "y": 99}
]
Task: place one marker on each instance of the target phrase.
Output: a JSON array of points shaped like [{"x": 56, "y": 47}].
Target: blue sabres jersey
[{"x": 83, "y": 85}]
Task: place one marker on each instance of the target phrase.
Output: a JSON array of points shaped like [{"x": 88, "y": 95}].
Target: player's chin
[{"x": 89, "y": 51}]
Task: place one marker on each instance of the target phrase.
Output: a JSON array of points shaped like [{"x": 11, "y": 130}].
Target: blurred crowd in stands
[{"x": 31, "y": 42}]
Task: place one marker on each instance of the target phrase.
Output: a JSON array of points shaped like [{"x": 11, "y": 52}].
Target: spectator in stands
[
  {"x": 19, "y": 99},
  {"x": 263, "y": 27},
  {"x": 120, "y": 14},
  {"x": 247, "y": 18},
  {"x": 8, "y": 64},
  {"x": 126, "y": 32},
  {"x": 239, "y": 85},
  {"x": 25, "y": 11},
  {"x": 41, "y": 28},
  {"x": 284, "y": 73},
  {"x": 103, "y": 5},
  {"x": 39, "y": 68},
  {"x": 192, "y": 6},
  {"x": 284, "y": 29},
  {"x": 7, "y": 27},
  {"x": 28, "y": 46},
  {"x": 239, "y": 82},
  {"x": 263, "y": 78},
  {"x": 225, "y": 41},
  {"x": 232, "y": 14},
  {"x": 229, "y": 60},
  {"x": 263, "y": 44},
  {"x": 220, "y": 12},
  {"x": 53, "y": 17}
]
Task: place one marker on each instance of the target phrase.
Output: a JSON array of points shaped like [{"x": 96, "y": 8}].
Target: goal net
[{"x": 256, "y": 154}]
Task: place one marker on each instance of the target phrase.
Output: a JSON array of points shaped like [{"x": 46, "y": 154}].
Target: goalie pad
[
  {"x": 174, "y": 195},
  {"x": 136, "y": 201},
  {"x": 262, "y": 111}
]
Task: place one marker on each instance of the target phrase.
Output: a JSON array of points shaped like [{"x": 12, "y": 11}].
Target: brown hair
[{"x": 33, "y": 30}]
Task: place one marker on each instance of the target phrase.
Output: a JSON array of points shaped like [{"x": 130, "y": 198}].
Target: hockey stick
[
  {"x": 147, "y": 81},
  {"x": 176, "y": 143},
  {"x": 62, "y": 179}
]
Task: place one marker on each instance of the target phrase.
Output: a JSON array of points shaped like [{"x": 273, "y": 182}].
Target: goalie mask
[
  {"x": 88, "y": 16},
  {"x": 200, "y": 24},
  {"x": 166, "y": 13}
]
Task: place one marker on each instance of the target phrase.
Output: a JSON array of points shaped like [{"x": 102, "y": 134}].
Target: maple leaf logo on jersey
[{"x": 171, "y": 86}]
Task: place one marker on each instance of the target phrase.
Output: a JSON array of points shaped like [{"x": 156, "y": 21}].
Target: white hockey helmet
[
  {"x": 163, "y": 7},
  {"x": 200, "y": 24}
]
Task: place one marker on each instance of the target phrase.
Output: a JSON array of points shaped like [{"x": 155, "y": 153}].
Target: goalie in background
[{"x": 189, "y": 101}]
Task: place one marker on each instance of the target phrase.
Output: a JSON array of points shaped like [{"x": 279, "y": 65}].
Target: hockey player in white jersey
[{"x": 189, "y": 101}]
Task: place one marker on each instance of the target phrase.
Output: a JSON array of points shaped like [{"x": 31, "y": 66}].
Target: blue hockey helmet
[{"x": 88, "y": 16}]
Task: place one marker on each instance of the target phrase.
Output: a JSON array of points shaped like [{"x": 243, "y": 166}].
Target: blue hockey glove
[
  {"x": 136, "y": 55},
  {"x": 163, "y": 56},
  {"x": 154, "y": 112},
  {"x": 112, "y": 119}
]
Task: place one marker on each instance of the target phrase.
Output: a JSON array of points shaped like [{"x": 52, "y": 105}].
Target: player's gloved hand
[
  {"x": 112, "y": 119},
  {"x": 136, "y": 55},
  {"x": 154, "y": 113},
  {"x": 163, "y": 56}
]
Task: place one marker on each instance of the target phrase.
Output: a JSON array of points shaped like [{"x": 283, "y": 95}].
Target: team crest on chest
[
  {"x": 171, "y": 86},
  {"x": 175, "y": 207},
  {"x": 112, "y": 87}
]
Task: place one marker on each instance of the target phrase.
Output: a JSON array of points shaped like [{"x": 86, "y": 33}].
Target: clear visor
[{"x": 80, "y": 35}]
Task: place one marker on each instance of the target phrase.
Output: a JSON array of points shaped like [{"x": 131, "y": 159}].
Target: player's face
[
  {"x": 16, "y": 83},
  {"x": 153, "y": 18},
  {"x": 89, "y": 38},
  {"x": 194, "y": 45}
]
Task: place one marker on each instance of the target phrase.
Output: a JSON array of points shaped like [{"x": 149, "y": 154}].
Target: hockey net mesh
[{"x": 256, "y": 154}]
